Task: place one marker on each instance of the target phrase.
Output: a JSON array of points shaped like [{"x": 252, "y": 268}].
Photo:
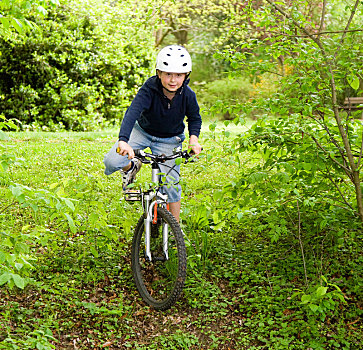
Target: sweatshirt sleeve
[
  {"x": 193, "y": 115},
  {"x": 141, "y": 102}
]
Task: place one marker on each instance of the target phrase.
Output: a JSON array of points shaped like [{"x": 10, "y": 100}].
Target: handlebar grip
[
  {"x": 192, "y": 153},
  {"x": 138, "y": 153}
]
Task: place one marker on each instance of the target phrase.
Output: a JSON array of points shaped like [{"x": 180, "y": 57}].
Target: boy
[{"x": 155, "y": 120}]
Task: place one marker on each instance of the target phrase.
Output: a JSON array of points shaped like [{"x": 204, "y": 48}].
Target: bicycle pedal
[{"x": 133, "y": 195}]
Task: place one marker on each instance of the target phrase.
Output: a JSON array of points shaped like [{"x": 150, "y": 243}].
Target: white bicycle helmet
[{"x": 174, "y": 59}]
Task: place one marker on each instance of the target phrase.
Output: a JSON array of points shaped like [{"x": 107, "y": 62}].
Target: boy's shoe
[{"x": 129, "y": 176}]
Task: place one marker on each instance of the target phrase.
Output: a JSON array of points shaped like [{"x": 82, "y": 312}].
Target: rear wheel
[{"x": 161, "y": 280}]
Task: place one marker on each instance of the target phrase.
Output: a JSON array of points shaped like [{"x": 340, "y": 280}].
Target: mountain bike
[{"x": 158, "y": 255}]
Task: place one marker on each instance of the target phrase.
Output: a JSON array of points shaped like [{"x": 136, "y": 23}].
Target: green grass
[{"x": 239, "y": 288}]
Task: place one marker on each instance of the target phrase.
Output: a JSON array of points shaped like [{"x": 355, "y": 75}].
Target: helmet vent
[
  {"x": 185, "y": 64},
  {"x": 166, "y": 63}
]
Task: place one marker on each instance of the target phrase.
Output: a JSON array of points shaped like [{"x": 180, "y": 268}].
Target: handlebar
[{"x": 148, "y": 158}]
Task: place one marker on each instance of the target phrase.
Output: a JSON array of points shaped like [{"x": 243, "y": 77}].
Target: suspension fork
[
  {"x": 151, "y": 215},
  {"x": 147, "y": 226},
  {"x": 148, "y": 221}
]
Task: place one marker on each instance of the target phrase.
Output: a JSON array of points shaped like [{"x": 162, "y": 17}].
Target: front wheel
[{"x": 161, "y": 280}]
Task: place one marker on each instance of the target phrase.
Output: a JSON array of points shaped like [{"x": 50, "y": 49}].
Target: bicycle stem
[{"x": 154, "y": 173}]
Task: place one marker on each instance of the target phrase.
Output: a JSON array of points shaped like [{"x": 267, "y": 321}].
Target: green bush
[
  {"x": 236, "y": 89},
  {"x": 80, "y": 71},
  {"x": 207, "y": 68},
  {"x": 227, "y": 97}
]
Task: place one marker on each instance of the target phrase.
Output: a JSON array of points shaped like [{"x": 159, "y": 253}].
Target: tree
[
  {"x": 348, "y": 156},
  {"x": 321, "y": 47},
  {"x": 200, "y": 21}
]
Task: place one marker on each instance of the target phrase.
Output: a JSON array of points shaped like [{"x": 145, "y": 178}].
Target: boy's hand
[
  {"x": 194, "y": 145},
  {"x": 125, "y": 149}
]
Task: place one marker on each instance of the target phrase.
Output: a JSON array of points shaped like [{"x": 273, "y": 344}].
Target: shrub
[
  {"x": 81, "y": 70},
  {"x": 224, "y": 93},
  {"x": 227, "y": 97}
]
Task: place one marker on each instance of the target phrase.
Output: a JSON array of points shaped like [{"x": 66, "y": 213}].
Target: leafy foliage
[
  {"x": 199, "y": 20},
  {"x": 242, "y": 289},
  {"x": 269, "y": 211},
  {"x": 14, "y": 15},
  {"x": 311, "y": 129},
  {"x": 220, "y": 94},
  {"x": 69, "y": 75}
]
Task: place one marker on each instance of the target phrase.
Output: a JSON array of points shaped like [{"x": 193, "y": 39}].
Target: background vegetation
[
  {"x": 69, "y": 74},
  {"x": 273, "y": 209}
]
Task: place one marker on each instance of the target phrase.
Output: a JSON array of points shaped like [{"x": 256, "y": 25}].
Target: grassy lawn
[{"x": 80, "y": 293}]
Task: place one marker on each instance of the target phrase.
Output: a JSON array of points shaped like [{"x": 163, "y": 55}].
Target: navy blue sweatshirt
[{"x": 159, "y": 116}]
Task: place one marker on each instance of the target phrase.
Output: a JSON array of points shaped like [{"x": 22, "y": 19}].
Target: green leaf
[
  {"x": 217, "y": 195},
  {"x": 323, "y": 223},
  {"x": 18, "y": 25},
  {"x": 34, "y": 207},
  {"x": 94, "y": 252},
  {"x": 353, "y": 81},
  {"x": 69, "y": 203},
  {"x": 10, "y": 258},
  {"x": 18, "y": 280},
  {"x": 256, "y": 177},
  {"x": 307, "y": 166},
  {"x": 2, "y": 257},
  {"x": 220, "y": 225},
  {"x": 305, "y": 298},
  {"x": 41, "y": 10},
  {"x": 212, "y": 126},
  {"x": 294, "y": 295},
  {"x": 93, "y": 218},
  {"x": 53, "y": 185},
  {"x": 16, "y": 191},
  {"x": 21, "y": 247},
  {"x": 71, "y": 224},
  {"x": 321, "y": 291},
  {"x": 340, "y": 297},
  {"x": 216, "y": 218},
  {"x": 5, "y": 277},
  {"x": 5, "y": 165},
  {"x": 19, "y": 266},
  {"x": 5, "y": 22},
  {"x": 313, "y": 307}
]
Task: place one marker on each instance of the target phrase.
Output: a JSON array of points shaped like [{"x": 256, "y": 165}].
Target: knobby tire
[{"x": 159, "y": 282}]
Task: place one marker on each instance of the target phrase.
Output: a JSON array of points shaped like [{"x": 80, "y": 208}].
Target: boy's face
[{"x": 171, "y": 81}]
